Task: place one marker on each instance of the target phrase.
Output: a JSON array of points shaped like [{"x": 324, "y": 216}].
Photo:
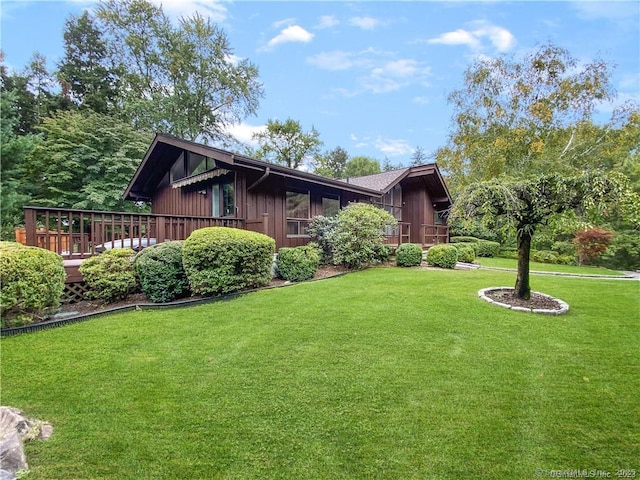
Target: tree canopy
[
  {"x": 529, "y": 117},
  {"x": 285, "y": 143},
  {"x": 527, "y": 204}
]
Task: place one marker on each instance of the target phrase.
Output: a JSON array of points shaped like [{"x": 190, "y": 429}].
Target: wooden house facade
[{"x": 184, "y": 178}]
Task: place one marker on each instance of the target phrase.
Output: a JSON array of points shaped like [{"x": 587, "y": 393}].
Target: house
[
  {"x": 180, "y": 177},
  {"x": 191, "y": 186}
]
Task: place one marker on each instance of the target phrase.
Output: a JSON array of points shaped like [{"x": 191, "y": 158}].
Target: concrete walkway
[{"x": 626, "y": 276}]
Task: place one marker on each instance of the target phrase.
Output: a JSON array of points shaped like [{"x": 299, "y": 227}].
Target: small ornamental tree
[
  {"x": 529, "y": 203},
  {"x": 591, "y": 243}
]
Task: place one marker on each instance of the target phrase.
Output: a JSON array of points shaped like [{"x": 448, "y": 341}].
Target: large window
[
  {"x": 298, "y": 213},
  {"x": 224, "y": 197},
  {"x": 330, "y": 206}
]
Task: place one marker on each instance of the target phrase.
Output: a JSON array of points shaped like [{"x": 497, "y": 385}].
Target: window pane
[
  {"x": 196, "y": 164},
  {"x": 298, "y": 205},
  {"x": 330, "y": 206},
  {"x": 228, "y": 199},
  {"x": 177, "y": 170},
  {"x": 216, "y": 200}
]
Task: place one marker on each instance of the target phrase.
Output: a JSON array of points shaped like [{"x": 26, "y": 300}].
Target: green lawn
[
  {"x": 387, "y": 373},
  {"x": 546, "y": 267}
]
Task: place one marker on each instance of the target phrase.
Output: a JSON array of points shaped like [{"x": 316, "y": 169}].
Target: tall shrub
[
  {"x": 358, "y": 234},
  {"x": 321, "y": 229},
  {"x": 161, "y": 274},
  {"x": 591, "y": 243},
  {"x": 32, "y": 280},
  {"x": 220, "y": 260},
  {"x": 110, "y": 276}
]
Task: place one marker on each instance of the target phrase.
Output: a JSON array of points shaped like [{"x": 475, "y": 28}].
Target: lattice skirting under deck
[{"x": 74, "y": 292}]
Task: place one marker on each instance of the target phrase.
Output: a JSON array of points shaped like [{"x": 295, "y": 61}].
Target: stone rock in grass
[{"x": 15, "y": 429}]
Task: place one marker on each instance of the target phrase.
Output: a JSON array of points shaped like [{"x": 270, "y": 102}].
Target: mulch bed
[{"x": 537, "y": 301}]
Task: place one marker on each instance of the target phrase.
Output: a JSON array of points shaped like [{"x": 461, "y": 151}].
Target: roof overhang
[{"x": 165, "y": 149}]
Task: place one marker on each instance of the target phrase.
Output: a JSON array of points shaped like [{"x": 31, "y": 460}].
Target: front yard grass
[{"x": 386, "y": 373}]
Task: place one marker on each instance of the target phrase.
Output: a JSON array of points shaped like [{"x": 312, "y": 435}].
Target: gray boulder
[{"x": 15, "y": 429}]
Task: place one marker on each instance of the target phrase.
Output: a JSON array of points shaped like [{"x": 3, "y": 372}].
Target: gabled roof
[
  {"x": 381, "y": 182},
  {"x": 164, "y": 150}
]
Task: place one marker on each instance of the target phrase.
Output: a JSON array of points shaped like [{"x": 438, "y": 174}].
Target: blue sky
[{"x": 371, "y": 77}]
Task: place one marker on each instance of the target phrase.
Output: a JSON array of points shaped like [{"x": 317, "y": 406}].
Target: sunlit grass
[{"x": 387, "y": 373}]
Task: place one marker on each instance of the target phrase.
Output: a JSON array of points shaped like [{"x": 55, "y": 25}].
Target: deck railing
[
  {"x": 399, "y": 234},
  {"x": 78, "y": 234},
  {"x": 434, "y": 234}
]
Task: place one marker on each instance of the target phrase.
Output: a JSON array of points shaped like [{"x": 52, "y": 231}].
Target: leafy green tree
[
  {"x": 14, "y": 150},
  {"x": 183, "y": 80},
  {"x": 85, "y": 161},
  {"x": 530, "y": 203},
  {"x": 285, "y": 143},
  {"x": 85, "y": 71},
  {"x": 525, "y": 117},
  {"x": 360, "y": 166},
  {"x": 332, "y": 163}
]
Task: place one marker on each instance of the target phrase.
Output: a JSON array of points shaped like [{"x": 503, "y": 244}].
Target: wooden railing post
[
  {"x": 160, "y": 229},
  {"x": 30, "y": 226},
  {"x": 265, "y": 223}
]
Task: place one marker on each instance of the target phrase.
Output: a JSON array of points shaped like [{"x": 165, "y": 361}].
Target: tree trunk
[{"x": 523, "y": 287}]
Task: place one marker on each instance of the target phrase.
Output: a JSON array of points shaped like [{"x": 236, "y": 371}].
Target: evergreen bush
[
  {"x": 443, "y": 256},
  {"x": 32, "y": 283},
  {"x": 160, "y": 272},
  {"x": 466, "y": 252},
  {"x": 321, "y": 229},
  {"x": 297, "y": 264},
  {"x": 409, "y": 255},
  {"x": 487, "y": 248},
  {"x": 220, "y": 260},
  {"x": 110, "y": 276}
]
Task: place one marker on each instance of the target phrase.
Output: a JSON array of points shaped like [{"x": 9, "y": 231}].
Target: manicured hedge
[
  {"x": 110, "y": 276},
  {"x": 487, "y": 248},
  {"x": 220, "y": 260},
  {"x": 297, "y": 264},
  {"x": 466, "y": 252},
  {"x": 32, "y": 281},
  {"x": 462, "y": 239},
  {"x": 443, "y": 256},
  {"x": 409, "y": 255},
  {"x": 160, "y": 271}
]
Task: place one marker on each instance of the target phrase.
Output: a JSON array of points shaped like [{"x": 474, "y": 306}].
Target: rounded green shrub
[
  {"x": 443, "y": 256},
  {"x": 220, "y": 260},
  {"x": 487, "y": 248},
  {"x": 32, "y": 281},
  {"x": 297, "y": 264},
  {"x": 463, "y": 239},
  {"x": 160, "y": 272},
  {"x": 466, "y": 252},
  {"x": 110, "y": 276},
  {"x": 359, "y": 232},
  {"x": 409, "y": 255}
]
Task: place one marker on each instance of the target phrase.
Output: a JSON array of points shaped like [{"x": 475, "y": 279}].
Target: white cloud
[
  {"x": 243, "y": 132},
  {"x": 457, "y": 37},
  {"x": 214, "y": 9},
  {"x": 284, "y": 22},
  {"x": 421, "y": 100},
  {"x": 592, "y": 10},
  {"x": 336, "y": 60},
  {"x": 500, "y": 38},
  {"x": 327, "y": 21},
  {"x": 294, "y": 33},
  {"x": 395, "y": 75},
  {"x": 365, "y": 23},
  {"x": 393, "y": 147}
]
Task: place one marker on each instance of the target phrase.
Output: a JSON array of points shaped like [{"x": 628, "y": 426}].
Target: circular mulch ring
[{"x": 539, "y": 302}]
